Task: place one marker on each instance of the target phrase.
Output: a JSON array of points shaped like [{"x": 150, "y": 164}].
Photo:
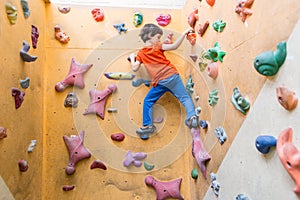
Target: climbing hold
[
  {"x": 119, "y": 75},
  {"x": 215, "y": 53},
  {"x": 3, "y": 132},
  {"x": 201, "y": 28},
  {"x": 198, "y": 151},
  {"x": 74, "y": 77},
  {"x": 244, "y": 9},
  {"x": 25, "y": 7},
  {"x": 286, "y": 98},
  {"x": 34, "y": 36},
  {"x": 194, "y": 173},
  {"x": 219, "y": 25},
  {"x": 98, "y": 164},
  {"x": 190, "y": 86},
  {"x": 25, "y": 83},
  {"x": 148, "y": 166},
  {"x": 213, "y": 97},
  {"x": 120, "y": 27},
  {"x": 19, "y": 97},
  {"x": 289, "y": 156},
  {"x": 240, "y": 103},
  {"x": 24, "y": 53},
  {"x": 191, "y": 37},
  {"x": 263, "y": 143},
  {"x": 202, "y": 61},
  {"x": 268, "y": 63},
  {"x": 241, "y": 197},
  {"x": 211, "y": 2},
  {"x": 213, "y": 70},
  {"x": 203, "y": 124},
  {"x": 64, "y": 9},
  {"x": 165, "y": 190},
  {"x": 163, "y": 20},
  {"x": 11, "y": 12},
  {"x": 71, "y": 100},
  {"x": 193, "y": 17},
  {"x": 98, "y": 14},
  {"x": 98, "y": 100},
  {"x": 60, "y": 35},
  {"x": 134, "y": 158},
  {"x": 215, "y": 185},
  {"x": 112, "y": 110},
  {"x": 77, "y": 151},
  {"x": 31, "y": 146},
  {"x": 137, "y": 19},
  {"x": 68, "y": 187},
  {"x": 23, "y": 165},
  {"x": 220, "y": 134},
  {"x": 194, "y": 57},
  {"x": 117, "y": 137}
]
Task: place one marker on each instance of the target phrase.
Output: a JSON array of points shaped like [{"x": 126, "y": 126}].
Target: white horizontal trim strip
[{"x": 165, "y": 4}]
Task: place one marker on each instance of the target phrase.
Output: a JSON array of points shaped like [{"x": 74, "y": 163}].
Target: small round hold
[
  {"x": 194, "y": 173},
  {"x": 23, "y": 165},
  {"x": 117, "y": 137}
]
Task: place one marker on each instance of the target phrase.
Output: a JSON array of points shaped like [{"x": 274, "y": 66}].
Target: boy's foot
[
  {"x": 193, "y": 122},
  {"x": 145, "y": 131}
]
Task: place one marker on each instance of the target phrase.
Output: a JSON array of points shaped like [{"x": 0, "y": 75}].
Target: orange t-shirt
[{"x": 156, "y": 63}]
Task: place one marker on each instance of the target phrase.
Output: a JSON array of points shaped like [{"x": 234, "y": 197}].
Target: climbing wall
[
  {"x": 25, "y": 123},
  {"x": 100, "y": 44}
]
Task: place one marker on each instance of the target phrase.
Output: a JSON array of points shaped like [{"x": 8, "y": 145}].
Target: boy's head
[{"x": 150, "y": 30}]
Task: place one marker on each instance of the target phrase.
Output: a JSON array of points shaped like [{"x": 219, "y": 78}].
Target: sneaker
[
  {"x": 193, "y": 122},
  {"x": 145, "y": 131}
]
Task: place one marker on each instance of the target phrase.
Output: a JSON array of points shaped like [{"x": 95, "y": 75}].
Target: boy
[{"x": 165, "y": 77}]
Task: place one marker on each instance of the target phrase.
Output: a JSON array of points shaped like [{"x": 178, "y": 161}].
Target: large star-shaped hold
[
  {"x": 98, "y": 100},
  {"x": 74, "y": 77},
  {"x": 77, "y": 151},
  {"x": 198, "y": 151},
  {"x": 165, "y": 190}
]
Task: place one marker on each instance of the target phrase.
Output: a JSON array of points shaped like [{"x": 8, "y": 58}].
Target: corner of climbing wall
[{"x": 22, "y": 97}]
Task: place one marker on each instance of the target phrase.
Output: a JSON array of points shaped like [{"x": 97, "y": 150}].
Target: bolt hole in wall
[{"x": 165, "y": 4}]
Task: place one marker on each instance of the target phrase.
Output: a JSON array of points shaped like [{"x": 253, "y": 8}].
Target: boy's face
[{"x": 155, "y": 38}]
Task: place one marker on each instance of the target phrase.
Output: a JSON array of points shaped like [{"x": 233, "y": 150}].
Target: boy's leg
[
  {"x": 177, "y": 88},
  {"x": 153, "y": 95}
]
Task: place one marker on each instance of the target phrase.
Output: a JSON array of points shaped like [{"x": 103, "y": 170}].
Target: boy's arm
[
  {"x": 135, "y": 65},
  {"x": 177, "y": 43}
]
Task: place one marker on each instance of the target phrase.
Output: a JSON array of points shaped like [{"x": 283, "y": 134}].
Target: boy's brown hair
[{"x": 149, "y": 30}]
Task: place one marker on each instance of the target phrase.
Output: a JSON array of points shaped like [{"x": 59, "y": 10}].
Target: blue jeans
[{"x": 174, "y": 85}]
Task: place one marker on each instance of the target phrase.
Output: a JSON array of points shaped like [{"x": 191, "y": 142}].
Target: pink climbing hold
[
  {"x": 98, "y": 164},
  {"x": 193, "y": 17},
  {"x": 117, "y": 137},
  {"x": 213, "y": 70},
  {"x": 68, "y": 187},
  {"x": 98, "y": 100},
  {"x": 19, "y": 97},
  {"x": 165, "y": 190},
  {"x": 3, "y": 132},
  {"x": 198, "y": 151},
  {"x": 163, "y": 20},
  {"x": 74, "y": 77},
  {"x": 77, "y": 151},
  {"x": 23, "y": 165}
]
